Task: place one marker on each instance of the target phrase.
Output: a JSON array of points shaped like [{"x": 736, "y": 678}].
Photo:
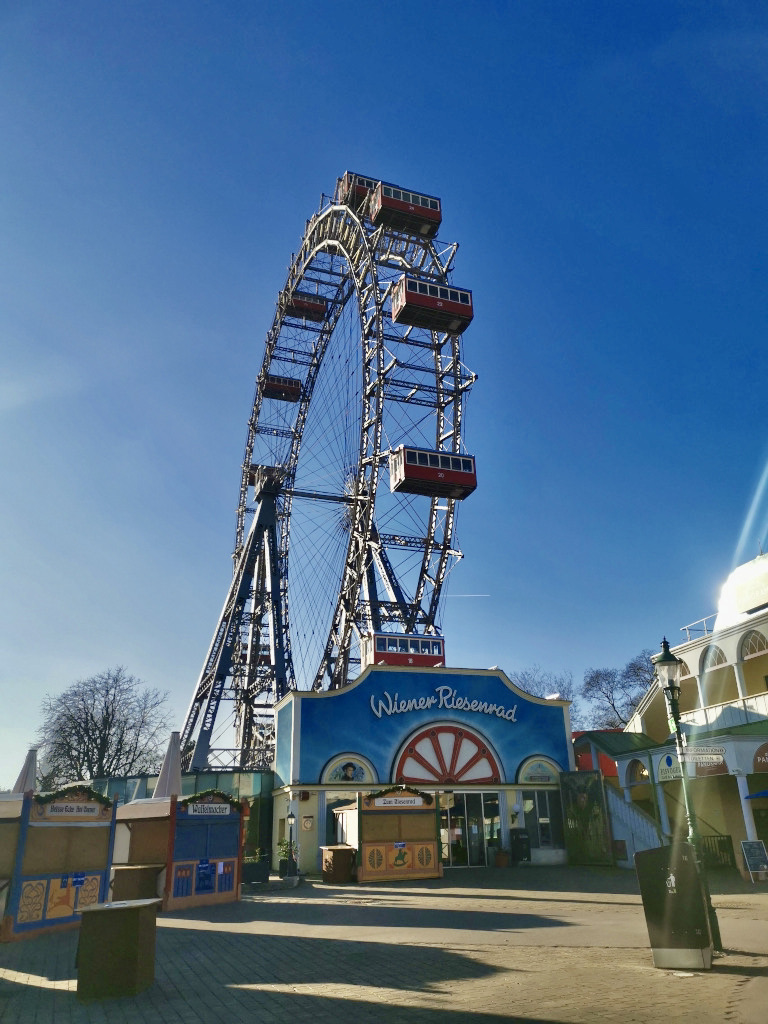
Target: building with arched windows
[
  {"x": 487, "y": 753},
  {"x": 723, "y": 710}
]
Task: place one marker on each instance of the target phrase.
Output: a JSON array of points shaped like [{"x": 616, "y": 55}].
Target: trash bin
[
  {"x": 338, "y": 864},
  {"x": 519, "y": 845},
  {"x": 675, "y": 907},
  {"x": 116, "y": 949}
]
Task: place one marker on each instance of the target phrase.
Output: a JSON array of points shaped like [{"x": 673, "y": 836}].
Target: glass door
[
  {"x": 475, "y": 830},
  {"x": 491, "y": 826},
  {"x": 469, "y": 828}
]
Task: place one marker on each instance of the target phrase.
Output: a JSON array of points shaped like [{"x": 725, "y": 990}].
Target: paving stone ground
[{"x": 536, "y": 944}]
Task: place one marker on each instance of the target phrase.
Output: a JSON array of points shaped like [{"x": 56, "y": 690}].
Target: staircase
[{"x": 638, "y": 830}]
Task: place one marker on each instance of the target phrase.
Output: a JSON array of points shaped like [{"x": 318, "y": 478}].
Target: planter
[
  {"x": 287, "y": 867},
  {"x": 502, "y": 859},
  {"x": 256, "y": 870}
]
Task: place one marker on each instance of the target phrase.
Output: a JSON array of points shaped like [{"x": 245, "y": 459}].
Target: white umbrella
[
  {"x": 28, "y": 774},
  {"x": 169, "y": 781}
]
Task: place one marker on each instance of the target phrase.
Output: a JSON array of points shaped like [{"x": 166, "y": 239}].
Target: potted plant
[
  {"x": 501, "y": 859},
  {"x": 256, "y": 867},
  {"x": 286, "y": 853}
]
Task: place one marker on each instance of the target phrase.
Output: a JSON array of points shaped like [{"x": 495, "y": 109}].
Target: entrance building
[{"x": 490, "y": 754}]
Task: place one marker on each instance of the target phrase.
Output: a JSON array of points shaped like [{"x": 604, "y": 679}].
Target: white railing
[
  {"x": 699, "y": 628},
  {"x": 734, "y": 712},
  {"x": 630, "y": 823}
]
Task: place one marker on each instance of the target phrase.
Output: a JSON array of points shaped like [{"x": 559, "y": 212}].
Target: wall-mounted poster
[{"x": 587, "y": 836}]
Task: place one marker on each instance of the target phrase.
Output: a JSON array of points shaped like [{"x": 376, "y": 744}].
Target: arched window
[
  {"x": 685, "y": 671},
  {"x": 712, "y": 657},
  {"x": 637, "y": 773},
  {"x": 753, "y": 644}
]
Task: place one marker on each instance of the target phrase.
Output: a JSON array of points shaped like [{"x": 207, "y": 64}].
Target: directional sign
[
  {"x": 697, "y": 758},
  {"x": 692, "y": 749}
]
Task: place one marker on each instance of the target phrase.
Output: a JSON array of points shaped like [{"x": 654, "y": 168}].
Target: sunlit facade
[{"x": 724, "y": 710}]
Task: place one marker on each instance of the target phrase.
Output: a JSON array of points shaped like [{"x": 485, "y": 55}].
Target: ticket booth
[
  {"x": 396, "y": 833},
  {"x": 55, "y": 856},
  {"x": 186, "y": 852}
]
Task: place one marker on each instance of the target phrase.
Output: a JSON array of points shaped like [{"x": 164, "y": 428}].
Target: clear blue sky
[{"x": 603, "y": 166}]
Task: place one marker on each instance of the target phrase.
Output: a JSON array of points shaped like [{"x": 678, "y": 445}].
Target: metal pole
[
  {"x": 690, "y": 814},
  {"x": 291, "y": 859}
]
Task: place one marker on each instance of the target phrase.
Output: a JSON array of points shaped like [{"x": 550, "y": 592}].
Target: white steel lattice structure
[{"x": 325, "y": 553}]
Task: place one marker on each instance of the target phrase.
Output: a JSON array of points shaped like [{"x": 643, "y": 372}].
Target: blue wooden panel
[
  {"x": 223, "y": 839},
  {"x": 191, "y": 840}
]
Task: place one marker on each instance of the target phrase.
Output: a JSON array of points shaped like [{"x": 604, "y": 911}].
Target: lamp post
[
  {"x": 668, "y": 669},
  {"x": 291, "y": 860}
]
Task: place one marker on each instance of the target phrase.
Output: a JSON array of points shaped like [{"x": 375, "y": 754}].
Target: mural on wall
[
  {"x": 348, "y": 768},
  {"x": 538, "y": 771},
  {"x": 389, "y": 708},
  {"x": 446, "y": 754}
]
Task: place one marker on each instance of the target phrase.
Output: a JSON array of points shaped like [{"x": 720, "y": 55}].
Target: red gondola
[
  {"x": 435, "y": 306},
  {"x": 355, "y": 188},
  {"x": 405, "y": 211},
  {"x": 284, "y": 389},
  {"x": 403, "y": 649},
  {"x": 435, "y": 474},
  {"x": 304, "y": 304}
]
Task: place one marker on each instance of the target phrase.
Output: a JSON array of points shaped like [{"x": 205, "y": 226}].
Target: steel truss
[{"x": 324, "y": 554}]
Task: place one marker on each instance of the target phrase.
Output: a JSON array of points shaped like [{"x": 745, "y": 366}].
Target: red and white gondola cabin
[
  {"x": 304, "y": 304},
  {"x": 355, "y": 188},
  {"x": 403, "y": 649},
  {"x": 405, "y": 211},
  {"x": 434, "y": 474},
  {"x": 438, "y": 307},
  {"x": 284, "y": 389}
]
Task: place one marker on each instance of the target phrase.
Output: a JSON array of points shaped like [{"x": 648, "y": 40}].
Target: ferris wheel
[{"x": 354, "y": 463}]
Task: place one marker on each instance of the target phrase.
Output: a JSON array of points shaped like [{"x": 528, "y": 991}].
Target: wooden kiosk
[
  {"x": 187, "y": 852},
  {"x": 396, "y": 833},
  {"x": 55, "y": 856}
]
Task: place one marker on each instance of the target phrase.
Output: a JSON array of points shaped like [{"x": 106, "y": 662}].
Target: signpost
[{"x": 704, "y": 755}]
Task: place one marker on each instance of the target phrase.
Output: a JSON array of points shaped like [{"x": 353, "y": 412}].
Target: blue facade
[{"x": 375, "y": 716}]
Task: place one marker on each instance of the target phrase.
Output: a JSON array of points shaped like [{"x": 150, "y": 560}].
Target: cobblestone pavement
[{"x": 537, "y": 944}]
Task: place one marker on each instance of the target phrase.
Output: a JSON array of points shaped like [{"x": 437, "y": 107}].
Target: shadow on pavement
[
  {"x": 210, "y": 977},
  {"x": 371, "y": 915}
]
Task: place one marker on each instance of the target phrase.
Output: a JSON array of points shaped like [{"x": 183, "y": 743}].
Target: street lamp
[
  {"x": 291, "y": 860},
  {"x": 668, "y": 671}
]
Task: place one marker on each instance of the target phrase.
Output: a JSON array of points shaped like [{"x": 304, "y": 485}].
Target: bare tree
[
  {"x": 540, "y": 683},
  {"x": 614, "y": 693},
  {"x": 109, "y": 724}
]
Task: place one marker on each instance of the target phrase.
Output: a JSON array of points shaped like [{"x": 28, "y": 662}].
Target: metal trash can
[
  {"x": 338, "y": 864},
  {"x": 675, "y": 907},
  {"x": 519, "y": 845},
  {"x": 116, "y": 949}
]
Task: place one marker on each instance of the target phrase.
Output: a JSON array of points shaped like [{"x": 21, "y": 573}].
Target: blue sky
[{"x": 603, "y": 166}]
